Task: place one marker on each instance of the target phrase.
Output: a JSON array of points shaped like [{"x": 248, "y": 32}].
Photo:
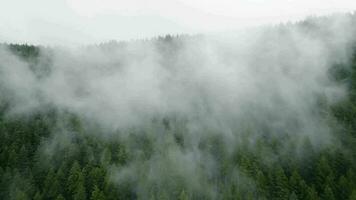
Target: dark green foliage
[
  {"x": 97, "y": 194},
  {"x": 80, "y": 169}
]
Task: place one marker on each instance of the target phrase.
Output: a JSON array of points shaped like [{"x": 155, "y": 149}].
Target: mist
[{"x": 233, "y": 88}]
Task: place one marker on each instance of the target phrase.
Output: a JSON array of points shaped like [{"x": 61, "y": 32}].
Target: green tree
[
  {"x": 74, "y": 175},
  {"x": 328, "y": 194},
  {"x": 97, "y": 194},
  {"x": 183, "y": 195},
  {"x": 38, "y": 196},
  {"x": 20, "y": 195},
  {"x": 312, "y": 194},
  {"x": 60, "y": 197},
  {"x": 293, "y": 196},
  {"x": 280, "y": 186},
  {"x": 79, "y": 193},
  {"x": 51, "y": 185},
  {"x": 343, "y": 188},
  {"x": 323, "y": 174},
  {"x": 353, "y": 195}
]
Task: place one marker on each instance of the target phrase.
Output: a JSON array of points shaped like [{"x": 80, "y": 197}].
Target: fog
[
  {"x": 79, "y": 22},
  {"x": 233, "y": 87}
]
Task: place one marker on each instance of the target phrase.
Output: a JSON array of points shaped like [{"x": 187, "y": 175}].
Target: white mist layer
[{"x": 262, "y": 81}]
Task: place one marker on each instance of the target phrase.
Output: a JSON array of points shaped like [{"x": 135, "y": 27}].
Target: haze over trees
[{"x": 269, "y": 114}]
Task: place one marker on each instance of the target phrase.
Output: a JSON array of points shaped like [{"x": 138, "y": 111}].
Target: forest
[{"x": 54, "y": 151}]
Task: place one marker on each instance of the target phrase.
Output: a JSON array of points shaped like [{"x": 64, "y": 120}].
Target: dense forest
[{"x": 55, "y": 153}]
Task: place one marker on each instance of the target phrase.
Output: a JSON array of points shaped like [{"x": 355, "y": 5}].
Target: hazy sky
[{"x": 90, "y": 21}]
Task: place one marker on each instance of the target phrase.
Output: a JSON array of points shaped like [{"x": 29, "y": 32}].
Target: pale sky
[{"x": 76, "y": 22}]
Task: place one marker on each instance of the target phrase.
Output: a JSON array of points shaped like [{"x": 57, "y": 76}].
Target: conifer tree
[{"x": 97, "y": 194}]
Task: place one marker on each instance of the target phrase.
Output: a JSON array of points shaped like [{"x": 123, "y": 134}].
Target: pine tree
[
  {"x": 312, "y": 194},
  {"x": 96, "y": 177},
  {"x": 280, "y": 184},
  {"x": 262, "y": 183},
  {"x": 60, "y": 197},
  {"x": 61, "y": 179},
  {"x": 294, "y": 183},
  {"x": 73, "y": 178},
  {"x": 97, "y": 194},
  {"x": 51, "y": 185},
  {"x": 323, "y": 174},
  {"x": 344, "y": 188},
  {"x": 183, "y": 196},
  {"x": 38, "y": 196},
  {"x": 293, "y": 196},
  {"x": 303, "y": 190},
  {"x": 79, "y": 193},
  {"x": 106, "y": 157},
  {"x": 20, "y": 195},
  {"x": 352, "y": 195},
  {"x": 328, "y": 193}
]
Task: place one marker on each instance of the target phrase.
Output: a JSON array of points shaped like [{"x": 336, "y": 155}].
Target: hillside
[{"x": 268, "y": 114}]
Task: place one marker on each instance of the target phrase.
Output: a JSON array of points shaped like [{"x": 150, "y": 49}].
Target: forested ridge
[{"x": 54, "y": 153}]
